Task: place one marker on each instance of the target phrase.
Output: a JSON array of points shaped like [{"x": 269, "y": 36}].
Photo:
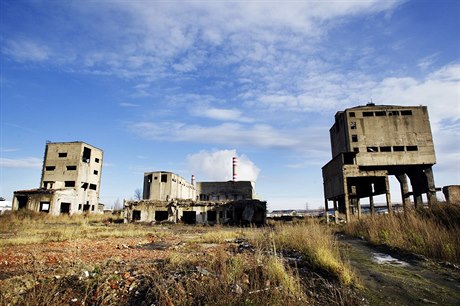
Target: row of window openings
[
  {"x": 188, "y": 216},
  {"x": 69, "y": 168},
  {"x": 65, "y": 207},
  {"x": 388, "y": 149},
  {"x": 383, "y": 113},
  {"x": 85, "y": 158}
]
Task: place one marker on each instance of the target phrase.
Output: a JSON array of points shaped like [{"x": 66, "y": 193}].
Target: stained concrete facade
[
  {"x": 165, "y": 186},
  {"x": 371, "y": 142},
  {"x": 70, "y": 180},
  {"x": 169, "y": 197},
  {"x": 452, "y": 194}
]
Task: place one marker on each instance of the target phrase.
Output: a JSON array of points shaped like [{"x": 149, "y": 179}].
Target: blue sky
[{"x": 184, "y": 86}]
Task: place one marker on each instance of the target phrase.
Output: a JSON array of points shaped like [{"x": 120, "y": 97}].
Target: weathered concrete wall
[
  {"x": 452, "y": 194},
  {"x": 225, "y": 191},
  {"x": 70, "y": 180},
  {"x": 384, "y": 135},
  {"x": 165, "y": 186},
  {"x": 233, "y": 212}
]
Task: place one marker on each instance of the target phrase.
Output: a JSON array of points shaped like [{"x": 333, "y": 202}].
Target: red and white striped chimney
[
  {"x": 193, "y": 179},
  {"x": 235, "y": 162}
]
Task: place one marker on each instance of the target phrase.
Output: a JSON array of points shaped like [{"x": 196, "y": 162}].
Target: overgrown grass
[
  {"x": 27, "y": 227},
  {"x": 433, "y": 232},
  {"x": 238, "y": 267},
  {"x": 314, "y": 241}
]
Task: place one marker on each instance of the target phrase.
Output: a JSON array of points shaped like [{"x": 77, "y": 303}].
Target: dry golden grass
[
  {"x": 433, "y": 232},
  {"x": 314, "y": 241},
  {"x": 27, "y": 227}
]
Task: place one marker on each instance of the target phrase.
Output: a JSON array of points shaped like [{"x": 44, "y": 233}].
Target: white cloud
[
  {"x": 258, "y": 135},
  {"x": 28, "y": 162},
  {"x": 218, "y": 166},
  {"x": 127, "y": 104},
  {"x": 26, "y": 50},
  {"x": 219, "y": 114}
]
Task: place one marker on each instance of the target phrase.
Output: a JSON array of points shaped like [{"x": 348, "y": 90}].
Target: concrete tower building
[
  {"x": 70, "y": 180},
  {"x": 369, "y": 143}
]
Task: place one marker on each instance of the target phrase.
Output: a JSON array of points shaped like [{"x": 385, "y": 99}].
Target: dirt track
[{"x": 401, "y": 280}]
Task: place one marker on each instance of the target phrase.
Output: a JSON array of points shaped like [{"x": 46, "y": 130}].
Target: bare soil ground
[
  {"x": 130, "y": 270},
  {"x": 390, "y": 277}
]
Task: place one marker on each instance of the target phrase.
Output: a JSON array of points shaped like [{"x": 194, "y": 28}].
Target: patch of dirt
[{"x": 400, "y": 279}]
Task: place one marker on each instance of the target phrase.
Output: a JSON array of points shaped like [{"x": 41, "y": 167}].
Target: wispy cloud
[
  {"x": 24, "y": 50},
  {"x": 28, "y": 162},
  {"x": 127, "y": 104},
  {"x": 257, "y": 135}
]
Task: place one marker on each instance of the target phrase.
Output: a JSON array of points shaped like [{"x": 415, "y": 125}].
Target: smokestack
[
  {"x": 193, "y": 179},
  {"x": 235, "y": 162}
]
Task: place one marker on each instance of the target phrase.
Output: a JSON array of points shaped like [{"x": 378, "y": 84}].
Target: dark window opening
[
  {"x": 96, "y": 172},
  {"x": 212, "y": 216},
  {"x": 92, "y": 207},
  {"x": 69, "y": 183},
  {"x": 412, "y": 148},
  {"x": 63, "y": 154},
  {"x": 155, "y": 178},
  {"x": 393, "y": 113},
  {"x": 86, "y": 207},
  {"x": 84, "y": 185},
  {"x": 161, "y": 215},
  {"x": 50, "y": 168},
  {"x": 92, "y": 186},
  {"x": 65, "y": 208},
  {"x": 356, "y": 150},
  {"x": 380, "y": 113},
  {"x": 79, "y": 206},
  {"x": 385, "y": 149},
  {"x": 406, "y": 113},
  {"x": 348, "y": 158},
  {"x": 164, "y": 178},
  {"x": 71, "y": 167},
  {"x": 96, "y": 160},
  {"x": 372, "y": 149},
  {"x": 48, "y": 184},
  {"x": 45, "y": 207},
  {"x": 353, "y": 125},
  {"x": 352, "y": 114},
  {"x": 354, "y": 138},
  {"x": 368, "y": 114},
  {"x": 189, "y": 217},
  {"x": 86, "y": 155},
  {"x": 22, "y": 202},
  {"x": 136, "y": 215},
  {"x": 398, "y": 149}
]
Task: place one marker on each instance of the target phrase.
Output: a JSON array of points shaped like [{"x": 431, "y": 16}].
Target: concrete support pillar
[
  {"x": 431, "y": 193},
  {"x": 371, "y": 203},
  {"x": 418, "y": 200},
  {"x": 326, "y": 208},
  {"x": 336, "y": 212},
  {"x": 388, "y": 197},
  {"x": 358, "y": 207},
  {"x": 402, "y": 179}
]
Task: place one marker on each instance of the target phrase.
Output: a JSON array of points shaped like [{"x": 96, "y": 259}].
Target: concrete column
[
  {"x": 431, "y": 193},
  {"x": 388, "y": 197},
  {"x": 371, "y": 203},
  {"x": 358, "y": 206},
  {"x": 402, "y": 179},
  {"x": 326, "y": 207},
  {"x": 336, "y": 212}
]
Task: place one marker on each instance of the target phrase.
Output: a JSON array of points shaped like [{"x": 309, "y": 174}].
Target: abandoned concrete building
[
  {"x": 70, "y": 181},
  {"x": 371, "y": 142},
  {"x": 169, "y": 197}
]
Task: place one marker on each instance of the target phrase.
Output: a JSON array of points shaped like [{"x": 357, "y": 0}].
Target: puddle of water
[{"x": 381, "y": 258}]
